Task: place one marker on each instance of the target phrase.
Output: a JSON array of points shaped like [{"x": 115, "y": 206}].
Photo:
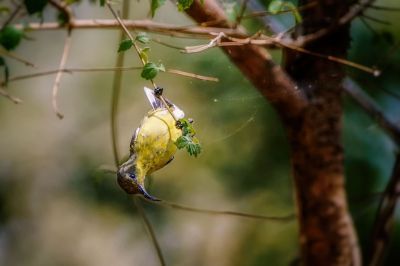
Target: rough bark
[
  {"x": 327, "y": 234},
  {"x": 312, "y": 116}
]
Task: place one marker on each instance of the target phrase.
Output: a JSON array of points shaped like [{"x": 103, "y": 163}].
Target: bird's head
[{"x": 127, "y": 180}]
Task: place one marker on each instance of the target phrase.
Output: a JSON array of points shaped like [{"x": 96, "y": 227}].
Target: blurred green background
[{"x": 58, "y": 207}]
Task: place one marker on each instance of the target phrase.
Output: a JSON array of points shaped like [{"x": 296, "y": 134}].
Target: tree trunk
[
  {"x": 327, "y": 235},
  {"x": 311, "y": 111}
]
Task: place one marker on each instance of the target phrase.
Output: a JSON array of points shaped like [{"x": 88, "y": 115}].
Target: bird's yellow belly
[{"x": 155, "y": 142}]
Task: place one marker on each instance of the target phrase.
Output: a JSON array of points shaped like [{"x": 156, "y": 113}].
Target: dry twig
[
  {"x": 9, "y": 96},
  {"x": 107, "y": 69},
  {"x": 57, "y": 80}
]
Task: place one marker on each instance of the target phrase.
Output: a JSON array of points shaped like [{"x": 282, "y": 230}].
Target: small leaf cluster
[
  {"x": 188, "y": 139},
  {"x": 150, "y": 69},
  {"x": 278, "y": 6}
]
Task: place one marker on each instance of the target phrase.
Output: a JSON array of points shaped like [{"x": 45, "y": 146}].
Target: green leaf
[
  {"x": 144, "y": 55},
  {"x": 35, "y": 6},
  {"x": 10, "y": 37},
  {"x": 191, "y": 144},
  {"x": 142, "y": 37},
  {"x": 194, "y": 149},
  {"x": 279, "y": 6},
  {"x": 182, "y": 142},
  {"x": 184, "y": 4},
  {"x": 155, "y": 4},
  {"x": 102, "y": 2},
  {"x": 150, "y": 70},
  {"x": 6, "y": 70},
  {"x": 186, "y": 126},
  {"x": 188, "y": 140},
  {"x": 276, "y": 6},
  {"x": 125, "y": 45}
]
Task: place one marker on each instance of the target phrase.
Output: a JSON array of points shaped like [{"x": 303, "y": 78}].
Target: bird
[{"x": 152, "y": 145}]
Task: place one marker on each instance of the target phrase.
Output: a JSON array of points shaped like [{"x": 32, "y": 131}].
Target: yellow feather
[{"x": 155, "y": 142}]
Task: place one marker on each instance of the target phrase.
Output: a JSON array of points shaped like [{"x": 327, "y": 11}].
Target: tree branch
[
  {"x": 144, "y": 25},
  {"x": 255, "y": 63},
  {"x": 352, "y": 13},
  {"x": 367, "y": 103}
]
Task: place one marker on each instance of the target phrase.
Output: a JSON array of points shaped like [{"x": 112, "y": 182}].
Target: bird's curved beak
[
  {"x": 140, "y": 188},
  {"x": 146, "y": 195}
]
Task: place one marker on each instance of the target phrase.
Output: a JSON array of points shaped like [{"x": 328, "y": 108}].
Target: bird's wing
[
  {"x": 157, "y": 103},
  {"x": 133, "y": 140},
  {"x": 154, "y": 101}
]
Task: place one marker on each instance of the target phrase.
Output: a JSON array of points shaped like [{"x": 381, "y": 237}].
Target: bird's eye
[{"x": 132, "y": 176}]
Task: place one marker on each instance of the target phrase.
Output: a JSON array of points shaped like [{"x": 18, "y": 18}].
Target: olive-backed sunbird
[{"x": 152, "y": 145}]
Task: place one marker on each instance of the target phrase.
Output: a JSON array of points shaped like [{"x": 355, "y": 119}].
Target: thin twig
[
  {"x": 368, "y": 104},
  {"x": 266, "y": 40},
  {"x": 150, "y": 230},
  {"x": 143, "y": 25},
  {"x": 375, "y": 72},
  {"x": 9, "y": 96},
  {"x": 114, "y": 133},
  {"x": 241, "y": 12},
  {"x": 116, "y": 90},
  {"x": 140, "y": 56},
  {"x": 384, "y": 220},
  {"x": 167, "y": 44},
  {"x": 15, "y": 57},
  {"x": 106, "y": 69},
  {"x": 290, "y": 10},
  {"x": 12, "y": 15},
  {"x": 167, "y": 204},
  {"x": 216, "y": 212},
  {"x": 353, "y": 12},
  {"x": 384, "y": 8},
  {"x": 64, "y": 57},
  {"x": 191, "y": 75},
  {"x": 377, "y": 20},
  {"x": 199, "y": 48}
]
